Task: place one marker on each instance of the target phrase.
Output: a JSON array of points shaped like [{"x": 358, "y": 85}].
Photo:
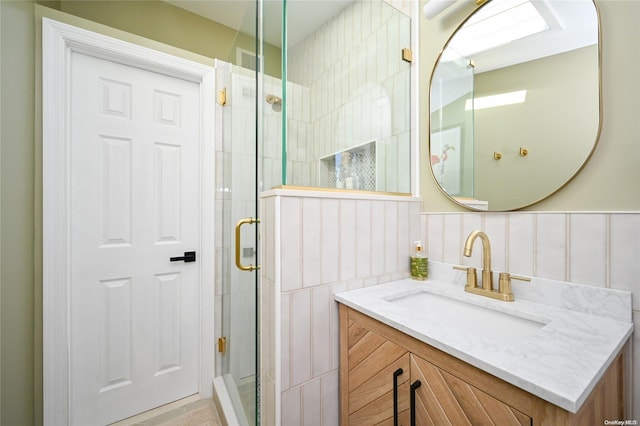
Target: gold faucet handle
[
  {"x": 472, "y": 276},
  {"x": 504, "y": 282},
  {"x": 514, "y": 277}
]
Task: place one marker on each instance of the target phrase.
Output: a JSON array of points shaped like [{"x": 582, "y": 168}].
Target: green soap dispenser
[{"x": 419, "y": 262}]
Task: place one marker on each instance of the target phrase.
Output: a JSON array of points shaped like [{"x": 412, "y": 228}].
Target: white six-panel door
[{"x": 134, "y": 176}]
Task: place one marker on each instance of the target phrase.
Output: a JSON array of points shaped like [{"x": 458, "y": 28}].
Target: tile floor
[{"x": 201, "y": 412}]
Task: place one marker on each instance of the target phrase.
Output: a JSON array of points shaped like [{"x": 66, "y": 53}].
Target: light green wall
[
  {"x": 17, "y": 215},
  {"x": 177, "y": 27},
  {"x": 609, "y": 181},
  {"x": 558, "y": 125}
]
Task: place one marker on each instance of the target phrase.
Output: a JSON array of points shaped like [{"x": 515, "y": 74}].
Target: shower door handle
[{"x": 239, "y": 264}]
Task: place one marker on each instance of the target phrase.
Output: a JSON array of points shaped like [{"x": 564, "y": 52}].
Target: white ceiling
[{"x": 304, "y": 16}]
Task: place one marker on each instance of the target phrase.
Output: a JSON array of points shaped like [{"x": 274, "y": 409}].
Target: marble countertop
[{"x": 560, "y": 362}]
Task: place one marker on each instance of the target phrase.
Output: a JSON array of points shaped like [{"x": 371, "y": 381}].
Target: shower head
[{"x": 273, "y": 100}]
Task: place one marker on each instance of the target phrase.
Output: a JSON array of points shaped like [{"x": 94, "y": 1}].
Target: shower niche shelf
[{"x": 353, "y": 168}]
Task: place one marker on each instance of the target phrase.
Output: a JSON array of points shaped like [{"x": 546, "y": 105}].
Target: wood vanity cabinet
[{"x": 450, "y": 391}]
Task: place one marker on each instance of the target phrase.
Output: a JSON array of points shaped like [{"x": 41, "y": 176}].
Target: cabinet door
[
  {"x": 372, "y": 363},
  {"x": 444, "y": 399}
]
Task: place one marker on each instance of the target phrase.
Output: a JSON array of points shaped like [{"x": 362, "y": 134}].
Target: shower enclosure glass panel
[
  {"x": 452, "y": 125},
  {"x": 236, "y": 200},
  {"x": 347, "y": 97},
  {"x": 238, "y": 84}
]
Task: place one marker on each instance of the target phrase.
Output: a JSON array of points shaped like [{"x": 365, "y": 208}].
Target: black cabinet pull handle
[
  {"x": 415, "y": 385},
  {"x": 189, "y": 256},
  {"x": 396, "y": 373}
]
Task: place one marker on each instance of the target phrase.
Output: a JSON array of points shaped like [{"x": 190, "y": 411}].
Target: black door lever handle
[{"x": 189, "y": 256}]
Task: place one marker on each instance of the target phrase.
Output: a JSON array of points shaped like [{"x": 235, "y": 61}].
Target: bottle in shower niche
[{"x": 419, "y": 262}]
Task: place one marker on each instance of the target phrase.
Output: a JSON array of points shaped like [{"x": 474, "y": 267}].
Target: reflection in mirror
[{"x": 515, "y": 102}]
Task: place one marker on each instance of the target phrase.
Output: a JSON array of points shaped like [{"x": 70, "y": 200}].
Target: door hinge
[
  {"x": 222, "y": 97},
  {"x": 222, "y": 344},
  {"x": 407, "y": 55}
]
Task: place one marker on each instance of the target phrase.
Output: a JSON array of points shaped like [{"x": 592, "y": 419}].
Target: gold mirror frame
[{"x": 497, "y": 155}]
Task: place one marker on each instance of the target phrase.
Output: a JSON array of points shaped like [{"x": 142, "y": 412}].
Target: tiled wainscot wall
[
  {"x": 599, "y": 249},
  {"x": 315, "y": 244}
]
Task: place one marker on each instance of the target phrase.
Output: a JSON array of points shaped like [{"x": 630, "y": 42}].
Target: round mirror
[{"x": 515, "y": 102}]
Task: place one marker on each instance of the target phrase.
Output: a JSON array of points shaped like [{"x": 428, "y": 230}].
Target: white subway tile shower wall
[
  {"x": 324, "y": 243},
  {"x": 599, "y": 249},
  {"x": 346, "y": 77}
]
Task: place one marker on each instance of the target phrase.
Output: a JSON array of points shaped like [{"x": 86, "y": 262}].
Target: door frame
[{"x": 59, "y": 40}]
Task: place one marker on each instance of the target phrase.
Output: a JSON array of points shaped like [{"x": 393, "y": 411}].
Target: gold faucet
[
  {"x": 487, "y": 274},
  {"x": 504, "y": 288}
]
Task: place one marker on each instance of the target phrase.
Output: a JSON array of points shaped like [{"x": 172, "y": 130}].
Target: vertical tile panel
[
  {"x": 371, "y": 58},
  {"x": 291, "y": 407},
  {"x": 404, "y": 152},
  {"x": 435, "y": 237},
  {"x": 291, "y": 237},
  {"x": 330, "y": 240},
  {"x": 404, "y": 230},
  {"x": 300, "y": 343},
  {"x": 363, "y": 232},
  {"x": 624, "y": 255},
  {"x": 452, "y": 238},
  {"x": 357, "y": 23},
  {"x": 330, "y": 403},
  {"x": 417, "y": 224},
  {"x": 311, "y": 403},
  {"x": 521, "y": 253},
  {"x": 311, "y": 231},
  {"x": 382, "y": 53},
  {"x": 268, "y": 401},
  {"x": 496, "y": 229},
  {"x": 347, "y": 240},
  {"x": 321, "y": 299},
  {"x": 285, "y": 336},
  {"x": 551, "y": 243},
  {"x": 335, "y": 325},
  {"x": 376, "y": 14},
  {"x": 423, "y": 226},
  {"x": 588, "y": 249},
  {"x": 377, "y": 238},
  {"x": 391, "y": 236},
  {"x": 268, "y": 241},
  {"x": 391, "y": 158},
  {"x": 267, "y": 328}
]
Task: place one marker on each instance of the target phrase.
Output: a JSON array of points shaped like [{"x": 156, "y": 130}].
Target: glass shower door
[
  {"x": 236, "y": 216},
  {"x": 237, "y": 259}
]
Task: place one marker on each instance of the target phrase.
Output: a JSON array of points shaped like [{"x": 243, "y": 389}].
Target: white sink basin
[{"x": 487, "y": 324}]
